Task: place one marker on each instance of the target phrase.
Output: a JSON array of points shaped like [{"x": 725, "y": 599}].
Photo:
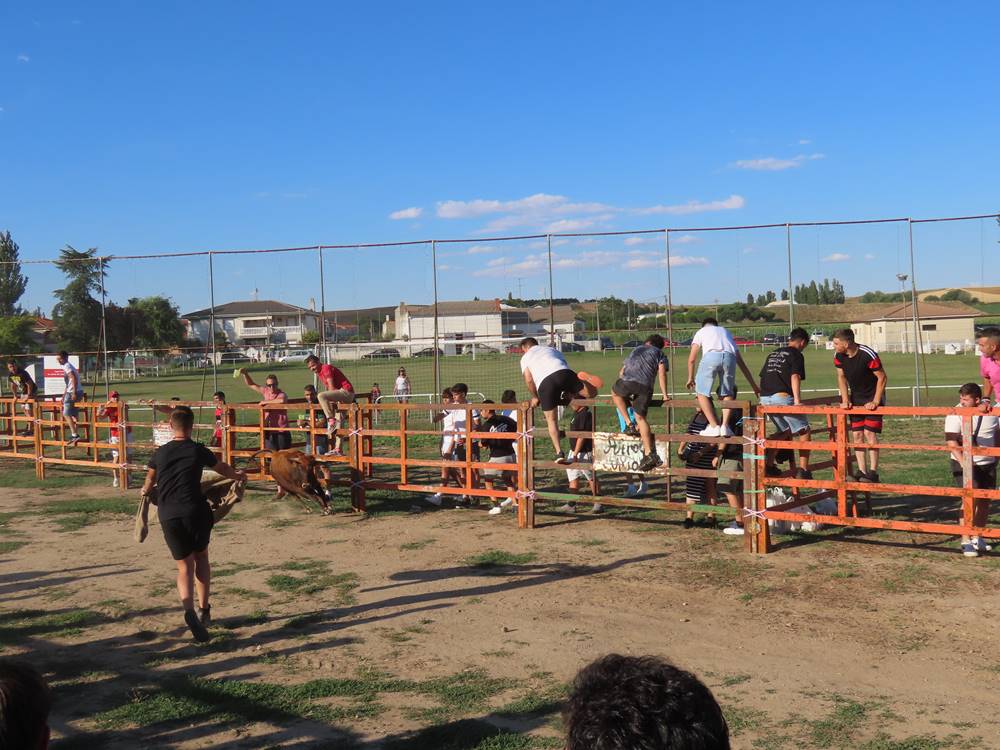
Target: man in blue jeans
[
  {"x": 780, "y": 385},
  {"x": 720, "y": 358}
]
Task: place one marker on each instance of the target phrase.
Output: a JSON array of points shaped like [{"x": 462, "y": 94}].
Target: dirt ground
[{"x": 389, "y": 631}]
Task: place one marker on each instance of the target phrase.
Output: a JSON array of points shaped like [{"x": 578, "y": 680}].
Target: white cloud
[
  {"x": 570, "y": 225},
  {"x": 684, "y": 239},
  {"x": 631, "y": 241},
  {"x": 589, "y": 259},
  {"x": 774, "y": 164},
  {"x": 480, "y": 250},
  {"x": 804, "y": 141},
  {"x": 538, "y": 263},
  {"x": 869, "y": 256},
  {"x": 22, "y": 58},
  {"x": 444, "y": 267},
  {"x": 675, "y": 260},
  {"x": 503, "y": 266},
  {"x": 413, "y": 212},
  {"x": 695, "y": 207},
  {"x": 836, "y": 258}
]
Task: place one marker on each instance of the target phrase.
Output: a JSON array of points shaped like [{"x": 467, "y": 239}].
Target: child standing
[
  {"x": 447, "y": 420},
  {"x": 501, "y": 452},
  {"x": 698, "y": 456},
  {"x": 112, "y": 409},
  {"x": 582, "y": 452}
]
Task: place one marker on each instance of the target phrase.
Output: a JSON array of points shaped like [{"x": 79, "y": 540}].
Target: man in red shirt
[{"x": 335, "y": 389}]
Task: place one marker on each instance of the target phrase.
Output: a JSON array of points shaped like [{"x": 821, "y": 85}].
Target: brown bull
[{"x": 299, "y": 474}]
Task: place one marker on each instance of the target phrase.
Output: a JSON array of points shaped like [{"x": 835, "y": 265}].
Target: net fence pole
[
  {"x": 791, "y": 300},
  {"x": 437, "y": 353},
  {"x": 918, "y": 348},
  {"x": 670, "y": 305},
  {"x": 322, "y": 304},
  {"x": 104, "y": 332},
  {"x": 211, "y": 333},
  {"x": 552, "y": 307}
]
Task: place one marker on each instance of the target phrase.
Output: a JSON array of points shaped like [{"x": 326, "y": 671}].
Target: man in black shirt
[
  {"x": 501, "y": 450},
  {"x": 184, "y": 513},
  {"x": 780, "y": 385},
  {"x": 23, "y": 388},
  {"x": 861, "y": 380}
]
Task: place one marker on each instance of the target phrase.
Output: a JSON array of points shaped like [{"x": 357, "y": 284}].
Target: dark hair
[
  {"x": 632, "y": 702},
  {"x": 971, "y": 389},
  {"x": 460, "y": 388},
  {"x": 219, "y": 395},
  {"x": 844, "y": 334},
  {"x": 182, "y": 418},
  {"x": 309, "y": 387},
  {"x": 709, "y": 321},
  {"x": 488, "y": 401},
  {"x": 529, "y": 340},
  {"x": 12, "y": 362},
  {"x": 656, "y": 340},
  {"x": 989, "y": 333},
  {"x": 273, "y": 377},
  {"x": 25, "y": 702},
  {"x": 312, "y": 358},
  {"x": 798, "y": 334},
  {"x": 446, "y": 393},
  {"x": 175, "y": 398},
  {"x": 508, "y": 397},
  {"x": 64, "y": 354}
]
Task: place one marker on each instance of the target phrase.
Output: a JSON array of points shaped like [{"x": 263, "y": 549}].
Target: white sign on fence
[
  {"x": 620, "y": 453},
  {"x": 163, "y": 433},
  {"x": 55, "y": 383}
]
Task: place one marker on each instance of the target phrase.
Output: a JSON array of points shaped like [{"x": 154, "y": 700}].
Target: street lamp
[{"x": 902, "y": 277}]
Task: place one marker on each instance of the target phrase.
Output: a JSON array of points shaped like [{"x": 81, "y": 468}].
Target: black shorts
[
  {"x": 984, "y": 476},
  {"x": 638, "y": 394},
  {"x": 277, "y": 441},
  {"x": 558, "y": 389},
  {"x": 188, "y": 534},
  {"x": 458, "y": 452}
]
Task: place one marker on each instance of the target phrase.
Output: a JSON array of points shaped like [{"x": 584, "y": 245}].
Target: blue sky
[{"x": 142, "y": 128}]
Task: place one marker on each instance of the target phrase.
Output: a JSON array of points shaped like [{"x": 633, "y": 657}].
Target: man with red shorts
[{"x": 861, "y": 380}]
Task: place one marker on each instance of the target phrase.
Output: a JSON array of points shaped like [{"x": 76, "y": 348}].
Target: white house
[
  {"x": 254, "y": 323},
  {"x": 891, "y": 329},
  {"x": 465, "y": 320}
]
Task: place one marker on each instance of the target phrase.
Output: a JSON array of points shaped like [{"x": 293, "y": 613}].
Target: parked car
[
  {"x": 781, "y": 339},
  {"x": 769, "y": 338},
  {"x": 631, "y": 344},
  {"x": 385, "y": 353},
  {"x": 570, "y": 346},
  {"x": 428, "y": 352},
  {"x": 817, "y": 335},
  {"x": 295, "y": 355},
  {"x": 607, "y": 343},
  {"x": 233, "y": 358},
  {"x": 741, "y": 341}
]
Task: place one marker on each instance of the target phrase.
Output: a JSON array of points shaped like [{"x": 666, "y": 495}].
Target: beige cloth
[{"x": 222, "y": 494}]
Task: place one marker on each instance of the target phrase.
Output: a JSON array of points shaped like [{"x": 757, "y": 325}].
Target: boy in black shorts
[
  {"x": 634, "y": 388},
  {"x": 184, "y": 513},
  {"x": 861, "y": 380}
]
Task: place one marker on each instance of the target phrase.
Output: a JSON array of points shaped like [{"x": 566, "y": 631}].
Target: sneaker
[
  {"x": 114, "y": 482},
  {"x": 641, "y": 489},
  {"x": 711, "y": 431},
  {"x": 598, "y": 508},
  {"x": 194, "y": 625},
  {"x": 873, "y": 477},
  {"x": 464, "y": 502},
  {"x": 725, "y": 431},
  {"x": 862, "y": 476},
  {"x": 981, "y": 544},
  {"x": 567, "y": 508},
  {"x": 649, "y": 462},
  {"x": 632, "y": 430},
  {"x": 733, "y": 529},
  {"x": 436, "y": 498},
  {"x": 631, "y": 490},
  {"x": 506, "y": 502},
  {"x": 688, "y": 523},
  {"x": 803, "y": 474},
  {"x": 970, "y": 550},
  {"x": 205, "y": 615},
  {"x": 73, "y": 440},
  {"x": 496, "y": 510},
  {"x": 562, "y": 458},
  {"x": 772, "y": 471}
]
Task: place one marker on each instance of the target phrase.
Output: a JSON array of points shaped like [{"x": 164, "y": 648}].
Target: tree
[
  {"x": 771, "y": 296},
  {"x": 311, "y": 337},
  {"x": 12, "y": 281},
  {"x": 159, "y": 322},
  {"x": 15, "y": 334},
  {"x": 761, "y": 300},
  {"x": 784, "y": 295},
  {"x": 749, "y": 298},
  {"x": 77, "y": 314}
]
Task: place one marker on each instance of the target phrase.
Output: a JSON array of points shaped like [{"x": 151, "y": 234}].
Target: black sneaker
[
  {"x": 561, "y": 458},
  {"x": 772, "y": 471},
  {"x": 73, "y": 440},
  {"x": 632, "y": 430},
  {"x": 688, "y": 523},
  {"x": 205, "y": 616},
  {"x": 649, "y": 462},
  {"x": 873, "y": 477},
  {"x": 864, "y": 476},
  {"x": 803, "y": 474},
  {"x": 197, "y": 629}
]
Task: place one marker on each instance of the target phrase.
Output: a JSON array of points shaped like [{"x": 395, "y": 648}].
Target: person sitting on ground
[
  {"x": 276, "y": 434},
  {"x": 644, "y": 365},
  {"x": 185, "y": 515},
  {"x": 780, "y": 385},
  {"x": 25, "y": 703},
  {"x": 337, "y": 389},
  {"x": 984, "y": 468},
  {"x": 642, "y": 703},
  {"x": 501, "y": 451},
  {"x": 583, "y": 451},
  {"x": 720, "y": 356},
  {"x": 112, "y": 411},
  {"x": 861, "y": 380},
  {"x": 551, "y": 384},
  {"x": 23, "y": 388},
  {"x": 321, "y": 441},
  {"x": 698, "y": 489}
]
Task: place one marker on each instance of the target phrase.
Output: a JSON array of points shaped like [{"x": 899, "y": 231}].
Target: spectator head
[
  {"x": 446, "y": 396},
  {"x": 843, "y": 340},
  {"x": 487, "y": 410},
  {"x": 25, "y": 702},
  {"x": 989, "y": 341},
  {"x": 182, "y": 420},
  {"x": 709, "y": 322},
  {"x": 312, "y": 362},
  {"x": 460, "y": 391},
  {"x": 63, "y": 357},
  {"x": 528, "y": 342},
  {"x": 175, "y": 398},
  {"x": 271, "y": 381},
  {"x": 970, "y": 394},
  {"x": 114, "y": 396},
  {"x": 626, "y": 702},
  {"x": 310, "y": 393},
  {"x": 798, "y": 338},
  {"x": 219, "y": 397},
  {"x": 402, "y": 371},
  {"x": 656, "y": 340},
  {"x": 12, "y": 365},
  {"x": 508, "y": 397}
]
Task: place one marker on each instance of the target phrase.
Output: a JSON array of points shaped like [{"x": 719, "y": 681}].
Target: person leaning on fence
[
  {"x": 337, "y": 389},
  {"x": 184, "y": 513},
  {"x": 780, "y": 385},
  {"x": 276, "y": 434},
  {"x": 644, "y": 365},
  {"x": 861, "y": 380},
  {"x": 984, "y": 468},
  {"x": 583, "y": 451},
  {"x": 25, "y": 703},
  {"x": 219, "y": 402},
  {"x": 642, "y": 703},
  {"x": 501, "y": 450},
  {"x": 401, "y": 389},
  {"x": 112, "y": 411},
  {"x": 988, "y": 341},
  {"x": 73, "y": 392},
  {"x": 23, "y": 388},
  {"x": 720, "y": 357}
]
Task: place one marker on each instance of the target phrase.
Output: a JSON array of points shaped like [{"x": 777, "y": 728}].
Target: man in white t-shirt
[
  {"x": 720, "y": 356},
  {"x": 551, "y": 384},
  {"x": 984, "y": 468},
  {"x": 73, "y": 392}
]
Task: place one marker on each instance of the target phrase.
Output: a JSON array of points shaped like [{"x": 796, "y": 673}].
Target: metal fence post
[
  {"x": 211, "y": 333},
  {"x": 791, "y": 299}
]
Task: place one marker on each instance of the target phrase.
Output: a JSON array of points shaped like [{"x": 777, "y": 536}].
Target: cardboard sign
[
  {"x": 163, "y": 433},
  {"x": 620, "y": 453},
  {"x": 55, "y": 381}
]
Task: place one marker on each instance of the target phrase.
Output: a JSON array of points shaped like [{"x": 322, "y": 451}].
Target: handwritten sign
[
  {"x": 620, "y": 453},
  {"x": 163, "y": 433}
]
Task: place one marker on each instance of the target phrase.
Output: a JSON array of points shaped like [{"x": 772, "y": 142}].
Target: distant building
[
  {"x": 43, "y": 334},
  {"x": 255, "y": 323},
  {"x": 465, "y": 320},
  {"x": 891, "y": 329}
]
